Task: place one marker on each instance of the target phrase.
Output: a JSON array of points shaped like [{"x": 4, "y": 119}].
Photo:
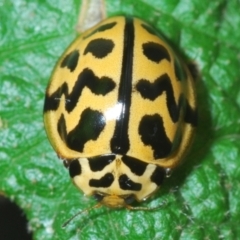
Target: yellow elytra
[{"x": 120, "y": 109}]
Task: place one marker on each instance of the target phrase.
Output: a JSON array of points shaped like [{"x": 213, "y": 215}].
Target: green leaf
[{"x": 202, "y": 196}]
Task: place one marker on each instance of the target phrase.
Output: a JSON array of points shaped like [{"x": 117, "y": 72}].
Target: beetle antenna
[
  {"x": 129, "y": 207},
  {"x": 81, "y": 212}
]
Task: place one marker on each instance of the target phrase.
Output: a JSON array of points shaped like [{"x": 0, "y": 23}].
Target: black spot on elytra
[
  {"x": 126, "y": 183},
  {"x": 61, "y": 128},
  {"x": 191, "y": 115},
  {"x": 99, "y": 48},
  {"x": 98, "y": 86},
  {"x": 180, "y": 72},
  {"x": 162, "y": 84},
  {"x": 70, "y": 61},
  {"x": 152, "y": 132},
  {"x": 105, "y": 181},
  {"x": 155, "y": 52},
  {"x": 158, "y": 175},
  {"x": 75, "y": 168},
  {"x": 52, "y": 101},
  {"x": 89, "y": 127},
  {"x": 136, "y": 166},
  {"x": 100, "y": 162},
  {"x": 102, "y": 28}
]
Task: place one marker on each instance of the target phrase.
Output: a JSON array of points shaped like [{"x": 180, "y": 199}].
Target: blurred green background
[{"x": 202, "y": 195}]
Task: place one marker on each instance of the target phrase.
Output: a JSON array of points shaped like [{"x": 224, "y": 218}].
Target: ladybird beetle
[{"x": 120, "y": 109}]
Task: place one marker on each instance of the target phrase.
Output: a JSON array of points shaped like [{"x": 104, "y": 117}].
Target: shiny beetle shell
[{"x": 120, "y": 109}]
